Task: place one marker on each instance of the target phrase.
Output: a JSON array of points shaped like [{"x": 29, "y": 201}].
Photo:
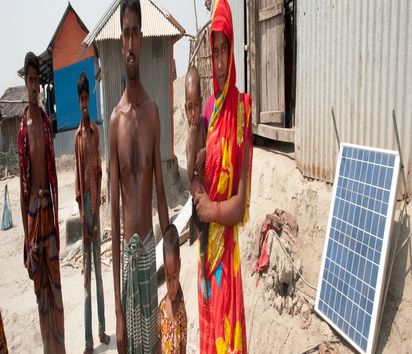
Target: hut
[
  {"x": 160, "y": 32},
  {"x": 12, "y": 105},
  {"x": 61, "y": 64}
]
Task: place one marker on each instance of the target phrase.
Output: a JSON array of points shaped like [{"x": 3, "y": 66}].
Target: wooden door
[{"x": 271, "y": 71}]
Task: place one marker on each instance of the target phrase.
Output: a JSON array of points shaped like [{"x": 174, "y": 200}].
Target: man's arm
[
  {"x": 23, "y": 210},
  {"x": 96, "y": 219},
  {"x": 77, "y": 187},
  {"x": 161, "y": 197},
  {"x": 77, "y": 175},
  {"x": 99, "y": 164},
  {"x": 114, "y": 188},
  {"x": 22, "y": 177},
  {"x": 229, "y": 212},
  {"x": 115, "y": 218}
]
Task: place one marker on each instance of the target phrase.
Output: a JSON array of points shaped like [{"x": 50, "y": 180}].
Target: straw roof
[{"x": 13, "y": 102}]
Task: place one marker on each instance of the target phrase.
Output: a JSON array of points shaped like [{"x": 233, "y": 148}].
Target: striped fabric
[
  {"x": 44, "y": 268},
  {"x": 139, "y": 294}
]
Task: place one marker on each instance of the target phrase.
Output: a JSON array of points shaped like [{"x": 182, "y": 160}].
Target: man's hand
[{"x": 120, "y": 333}]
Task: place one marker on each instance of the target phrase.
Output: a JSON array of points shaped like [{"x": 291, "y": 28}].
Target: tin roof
[{"x": 156, "y": 22}]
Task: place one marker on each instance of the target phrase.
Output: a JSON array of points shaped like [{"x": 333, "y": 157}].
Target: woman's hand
[{"x": 204, "y": 207}]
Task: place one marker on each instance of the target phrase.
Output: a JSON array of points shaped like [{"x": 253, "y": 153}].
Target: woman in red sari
[{"x": 225, "y": 203}]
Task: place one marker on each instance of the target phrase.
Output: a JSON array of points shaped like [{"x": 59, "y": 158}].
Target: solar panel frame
[{"x": 383, "y": 260}]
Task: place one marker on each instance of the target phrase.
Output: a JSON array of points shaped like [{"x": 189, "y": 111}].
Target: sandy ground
[{"x": 276, "y": 183}]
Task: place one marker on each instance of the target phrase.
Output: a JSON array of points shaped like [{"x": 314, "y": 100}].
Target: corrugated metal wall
[
  {"x": 112, "y": 71},
  {"x": 355, "y": 56},
  {"x": 238, "y": 18},
  {"x": 156, "y": 77},
  {"x": 158, "y": 82}
]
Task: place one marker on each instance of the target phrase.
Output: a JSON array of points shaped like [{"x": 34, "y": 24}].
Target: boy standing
[
  {"x": 88, "y": 184},
  {"x": 172, "y": 320}
]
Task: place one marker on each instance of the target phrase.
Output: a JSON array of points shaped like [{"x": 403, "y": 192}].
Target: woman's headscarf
[{"x": 222, "y": 22}]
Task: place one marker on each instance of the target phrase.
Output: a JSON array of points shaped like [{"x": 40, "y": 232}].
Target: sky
[{"x": 29, "y": 25}]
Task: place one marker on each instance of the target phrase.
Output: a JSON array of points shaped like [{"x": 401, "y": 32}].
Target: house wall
[
  {"x": 156, "y": 63},
  {"x": 356, "y": 57},
  {"x": 67, "y": 66},
  {"x": 67, "y": 98},
  {"x": 67, "y": 44},
  {"x": 9, "y": 130},
  {"x": 238, "y": 18},
  {"x": 202, "y": 59}
]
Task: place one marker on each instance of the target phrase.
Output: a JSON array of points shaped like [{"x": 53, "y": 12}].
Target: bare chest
[
  {"x": 85, "y": 147},
  {"x": 37, "y": 141},
  {"x": 135, "y": 148}
]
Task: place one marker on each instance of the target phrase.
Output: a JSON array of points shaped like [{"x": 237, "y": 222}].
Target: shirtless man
[
  {"x": 39, "y": 206},
  {"x": 134, "y": 156},
  {"x": 87, "y": 188}
]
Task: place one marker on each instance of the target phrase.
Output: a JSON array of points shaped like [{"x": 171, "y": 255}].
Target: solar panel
[{"x": 350, "y": 287}]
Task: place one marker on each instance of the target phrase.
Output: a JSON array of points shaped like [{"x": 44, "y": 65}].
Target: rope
[{"x": 293, "y": 264}]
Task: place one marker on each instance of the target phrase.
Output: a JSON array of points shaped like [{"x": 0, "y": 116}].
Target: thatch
[
  {"x": 13, "y": 102},
  {"x": 201, "y": 57}
]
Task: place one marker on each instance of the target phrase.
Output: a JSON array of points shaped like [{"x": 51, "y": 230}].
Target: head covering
[{"x": 222, "y": 22}]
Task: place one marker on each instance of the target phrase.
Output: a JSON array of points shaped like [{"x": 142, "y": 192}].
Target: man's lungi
[
  {"x": 139, "y": 294},
  {"x": 44, "y": 269}
]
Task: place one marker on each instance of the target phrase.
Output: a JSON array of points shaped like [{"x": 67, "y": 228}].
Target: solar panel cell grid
[{"x": 353, "y": 255}]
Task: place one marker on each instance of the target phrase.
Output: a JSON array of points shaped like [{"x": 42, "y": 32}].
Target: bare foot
[{"x": 105, "y": 339}]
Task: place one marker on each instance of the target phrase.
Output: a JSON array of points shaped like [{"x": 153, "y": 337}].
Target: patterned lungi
[
  {"x": 43, "y": 267},
  {"x": 139, "y": 294}
]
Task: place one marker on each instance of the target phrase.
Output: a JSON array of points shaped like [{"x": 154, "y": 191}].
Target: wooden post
[{"x": 254, "y": 84}]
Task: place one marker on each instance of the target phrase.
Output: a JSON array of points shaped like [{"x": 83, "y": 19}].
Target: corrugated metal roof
[{"x": 156, "y": 22}]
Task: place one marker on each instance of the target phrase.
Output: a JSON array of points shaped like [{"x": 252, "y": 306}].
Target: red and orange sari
[{"x": 222, "y": 318}]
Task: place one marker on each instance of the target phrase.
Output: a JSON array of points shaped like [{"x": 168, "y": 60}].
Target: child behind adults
[
  {"x": 195, "y": 156},
  {"x": 172, "y": 319}
]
